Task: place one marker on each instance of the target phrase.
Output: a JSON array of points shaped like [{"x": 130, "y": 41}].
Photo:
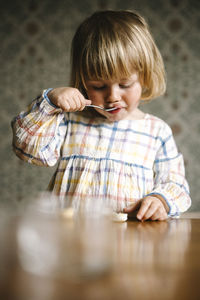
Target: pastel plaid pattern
[{"x": 123, "y": 161}]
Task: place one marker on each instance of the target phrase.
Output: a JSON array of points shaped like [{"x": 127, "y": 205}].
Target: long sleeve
[
  {"x": 38, "y": 133},
  {"x": 170, "y": 182}
]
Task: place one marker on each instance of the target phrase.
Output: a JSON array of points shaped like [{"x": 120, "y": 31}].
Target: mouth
[{"x": 115, "y": 111}]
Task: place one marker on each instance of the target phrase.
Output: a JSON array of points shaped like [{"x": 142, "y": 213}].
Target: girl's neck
[{"x": 137, "y": 115}]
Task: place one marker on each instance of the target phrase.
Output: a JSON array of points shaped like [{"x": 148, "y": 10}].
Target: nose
[{"x": 113, "y": 94}]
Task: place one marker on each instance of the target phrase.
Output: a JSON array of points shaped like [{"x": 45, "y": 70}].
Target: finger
[
  {"x": 80, "y": 102},
  {"x": 87, "y": 101},
  {"x": 143, "y": 209},
  {"x": 83, "y": 102},
  {"x": 76, "y": 102},
  {"x": 72, "y": 100},
  {"x": 159, "y": 215},
  {"x": 153, "y": 207},
  {"x": 65, "y": 106},
  {"x": 71, "y": 105},
  {"x": 133, "y": 207}
]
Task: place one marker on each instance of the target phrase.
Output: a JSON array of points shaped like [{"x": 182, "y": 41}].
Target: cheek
[
  {"x": 138, "y": 89},
  {"x": 136, "y": 94}
]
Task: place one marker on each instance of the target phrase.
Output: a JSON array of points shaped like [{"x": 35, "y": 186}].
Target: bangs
[{"x": 112, "y": 64}]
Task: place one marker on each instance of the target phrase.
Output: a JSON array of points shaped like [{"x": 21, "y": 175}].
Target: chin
[
  {"x": 115, "y": 118},
  {"x": 118, "y": 116}
]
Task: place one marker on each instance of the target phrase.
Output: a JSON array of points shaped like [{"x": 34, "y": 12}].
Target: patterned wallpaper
[{"x": 35, "y": 42}]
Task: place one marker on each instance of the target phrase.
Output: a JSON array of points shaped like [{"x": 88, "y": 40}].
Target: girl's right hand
[{"x": 68, "y": 99}]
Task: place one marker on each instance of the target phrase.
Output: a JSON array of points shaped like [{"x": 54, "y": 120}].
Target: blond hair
[{"x": 114, "y": 45}]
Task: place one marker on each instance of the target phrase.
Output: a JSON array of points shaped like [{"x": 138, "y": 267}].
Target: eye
[
  {"x": 126, "y": 85},
  {"x": 99, "y": 88}
]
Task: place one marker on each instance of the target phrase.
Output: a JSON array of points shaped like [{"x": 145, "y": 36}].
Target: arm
[
  {"x": 38, "y": 133},
  {"x": 170, "y": 183},
  {"x": 170, "y": 195}
]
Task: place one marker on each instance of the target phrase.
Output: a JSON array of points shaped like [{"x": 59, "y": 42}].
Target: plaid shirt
[{"x": 123, "y": 161}]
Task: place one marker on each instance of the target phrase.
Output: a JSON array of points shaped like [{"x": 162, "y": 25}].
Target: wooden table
[{"x": 153, "y": 260}]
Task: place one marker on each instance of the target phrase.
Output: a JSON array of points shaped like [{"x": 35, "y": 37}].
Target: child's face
[{"x": 124, "y": 94}]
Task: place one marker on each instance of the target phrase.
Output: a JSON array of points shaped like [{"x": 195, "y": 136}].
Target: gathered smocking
[{"x": 85, "y": 176}]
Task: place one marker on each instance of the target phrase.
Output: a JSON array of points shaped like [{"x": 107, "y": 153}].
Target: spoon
[{"x": 106, "y": 109}]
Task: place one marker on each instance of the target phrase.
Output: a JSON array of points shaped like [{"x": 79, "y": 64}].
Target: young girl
[{"x": 124, "y": 155}]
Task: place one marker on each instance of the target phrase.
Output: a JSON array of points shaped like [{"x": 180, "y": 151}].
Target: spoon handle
[{"x": 106, "y": 109}]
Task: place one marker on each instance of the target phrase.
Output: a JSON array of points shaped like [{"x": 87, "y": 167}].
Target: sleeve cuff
[
  {"x": 47, "y": 105},
  {"x": 45, "y": 95}
]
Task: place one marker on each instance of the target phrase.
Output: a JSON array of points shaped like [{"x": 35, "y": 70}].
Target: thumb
[
  {"x": 132, "y": 207},
  {"x": 87, "y": 101}
]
